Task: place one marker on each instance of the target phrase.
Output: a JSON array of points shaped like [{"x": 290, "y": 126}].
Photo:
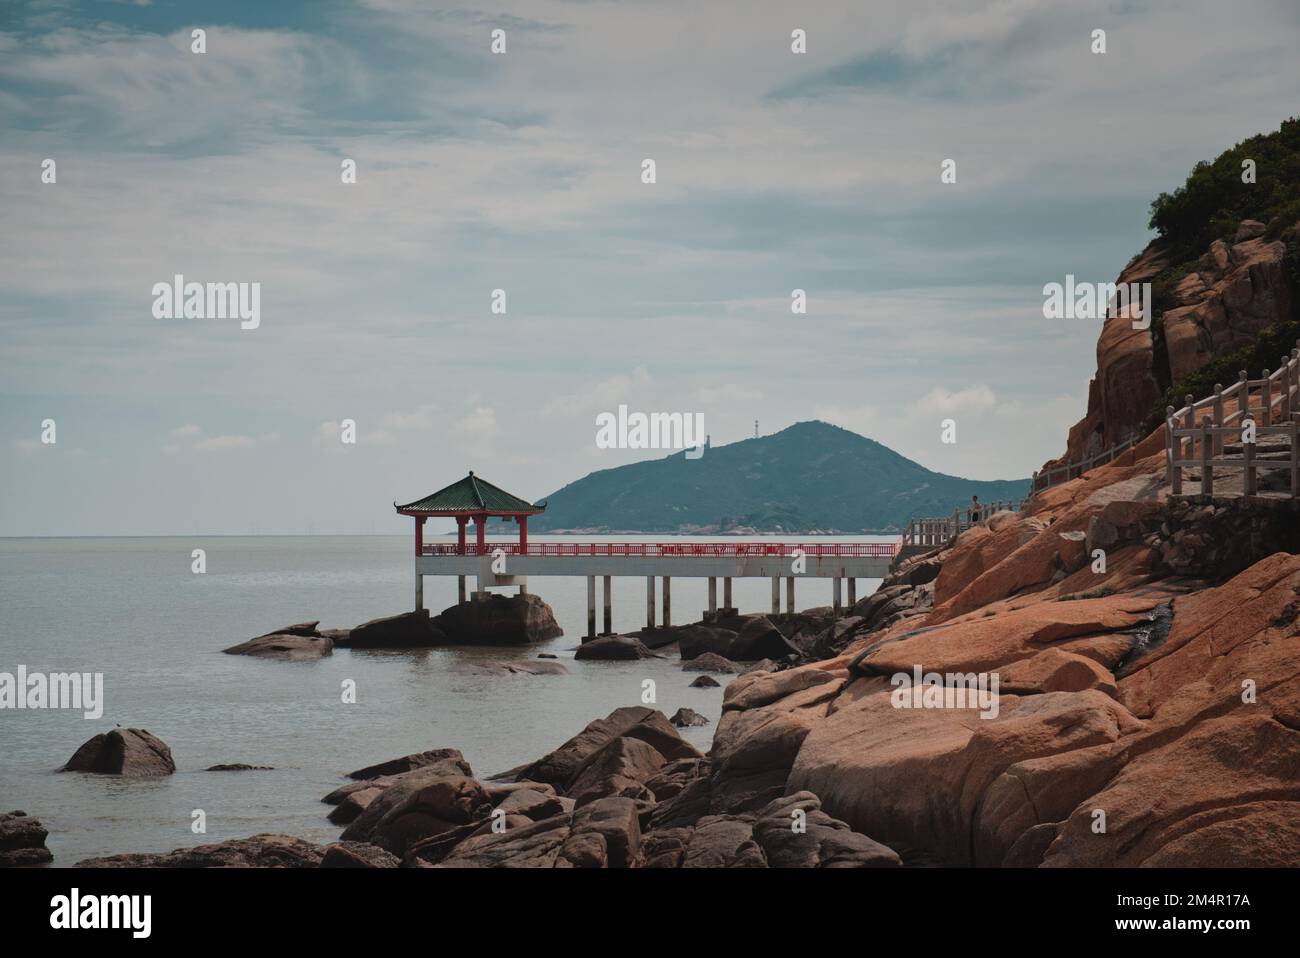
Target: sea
[{"x": 133, "y": 609}]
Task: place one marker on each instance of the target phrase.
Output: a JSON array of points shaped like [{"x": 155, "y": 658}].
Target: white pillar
[
  {"x": 609, "y": 610},
  {"x": 649, "y": 602},
  {"x": 789, "y": 593},
  {"x": 853, "y": 592},
  {"x": 668, "y": 601},
  {"x": 713, "y": 593},
  {"x": 419, "y": 592},
  {"x": 460, "y": 588},
  {"x": 837, "y": 605},
  {"x": 726, "y": 592},
  {"x": 776, "y": 594},
  {"x": 591, "y": 606}
]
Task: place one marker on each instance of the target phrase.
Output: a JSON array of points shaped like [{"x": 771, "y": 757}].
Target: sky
[{"x": 522, "y": 171}]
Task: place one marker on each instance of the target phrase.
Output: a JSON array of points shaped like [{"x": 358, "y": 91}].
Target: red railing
[{"x": 703, "y": 549}]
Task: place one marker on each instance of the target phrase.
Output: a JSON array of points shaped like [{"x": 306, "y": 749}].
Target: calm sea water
[{"x": 133, "y": 610}]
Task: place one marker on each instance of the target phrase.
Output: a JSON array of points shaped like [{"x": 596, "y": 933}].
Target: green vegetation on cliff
[{"x": 1208, "y": 207}]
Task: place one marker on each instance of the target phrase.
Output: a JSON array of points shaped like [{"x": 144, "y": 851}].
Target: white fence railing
[{"x": 1199, "y": 433}]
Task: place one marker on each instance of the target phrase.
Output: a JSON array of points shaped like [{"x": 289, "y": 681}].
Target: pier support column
[
  {"x": 668, "y": 601},
  {"x": 853, "y": 592},
  {"x": 591, "y": 608},
  {"x": 789, "y": 593},
  {"x": 419, "y": 592},
  {"x": 609, "y": 610},
  {"x": 523, "y": 587},
  {"x": 460, "y": 588},
  {"x": 713, "y": 595},
  {"x": 776, "y": 594},
  {"x": 836, "y": 604},
  {"x": 649, "y": 602},
  {"x": 726, "y": 594}
]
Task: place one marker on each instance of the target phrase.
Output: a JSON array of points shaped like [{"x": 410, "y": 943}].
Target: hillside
[{"x": 811, "y": 476}]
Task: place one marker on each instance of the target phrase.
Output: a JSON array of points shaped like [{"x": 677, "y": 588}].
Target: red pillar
[
  {"x": 460, "y": 534},
  {"x": 419, "y": 534},
  {"x": 480, "y": 521},
  {"x": 523, "y": 535}
]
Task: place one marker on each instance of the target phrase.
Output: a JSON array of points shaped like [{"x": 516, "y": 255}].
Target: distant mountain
[{"x": 810, "y": 477}]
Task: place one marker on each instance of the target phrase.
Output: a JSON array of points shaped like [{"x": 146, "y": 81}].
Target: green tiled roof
[{"x": 470, "y": 494}]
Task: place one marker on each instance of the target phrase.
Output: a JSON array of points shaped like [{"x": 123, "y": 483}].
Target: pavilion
[{"x": 469, "y": 499}]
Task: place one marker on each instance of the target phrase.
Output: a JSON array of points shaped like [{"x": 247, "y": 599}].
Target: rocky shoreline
[{"x": 1148, "y": 713}]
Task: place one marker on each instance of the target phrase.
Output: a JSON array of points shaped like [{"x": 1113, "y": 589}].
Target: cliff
[{"x": 1225, "y": 275}]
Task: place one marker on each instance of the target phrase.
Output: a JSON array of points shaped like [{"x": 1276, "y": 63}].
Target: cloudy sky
[{"x": 522, "y": 172}]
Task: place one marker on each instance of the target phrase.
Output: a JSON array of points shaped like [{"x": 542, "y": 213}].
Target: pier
[{"x": 506, "y": 564}]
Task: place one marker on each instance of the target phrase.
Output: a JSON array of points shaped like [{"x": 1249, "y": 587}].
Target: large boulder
[
  {"x": 259, "y": 851},
  {"x": 535, "y": 845},
  {"x": 358, "y": 855},
  {"x": 794, "y": 832},
  {"x": 424, "y": 804},
  {"x": 451, "y": 758},
  {"x": 22, "y": 840},
  {"x": 694, "y": 641},
  {"x": 562, "y": 766},
  {"x": 408, "y": 630},
  {"x": 499, "y": 620},
  {"x": 621, "y": 768},
  {"x": 723, "y": 841},
  {"x": 604, "y": 834},
  {"x": 132, "y": 752},
  {"x": 760, "y": 639}
]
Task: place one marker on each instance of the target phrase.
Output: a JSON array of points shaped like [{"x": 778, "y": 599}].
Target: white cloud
[
  {"x": 729, "y": 392},
  {"x": 972, "y": 399},
  {"x": 187, "y": 431},
  {"x": 224, "y": 443}
]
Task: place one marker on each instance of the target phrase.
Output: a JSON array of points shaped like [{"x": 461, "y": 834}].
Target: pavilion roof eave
[
  {"x": 453, "y": 513},
  {"x": 470, "y": 496}
]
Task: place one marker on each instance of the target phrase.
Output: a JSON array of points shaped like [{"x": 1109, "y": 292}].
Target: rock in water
[
  {"x": 409, "y": 630},
  {"x": 710, "y": 662},
  {"x": 239, "y": 767},
  {"x": 705, "y": 682},
  {"x": 22, "y": 841},
  {"x": 451, "y": 757},
  {"x": 300, "y": 642},
  {"x": 498, "y": 620},
  {"x": 259, "y": 851},
  {"x": 123, "y": 751},
  {"x": 614, "y": 647},
  {"x": 688, "y": 718}
]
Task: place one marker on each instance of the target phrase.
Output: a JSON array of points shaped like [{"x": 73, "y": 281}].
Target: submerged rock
[
  {"x": 239, "y": 767},
  {"x": 614, "y": 647},
  {"x": 131, "y": 752},
  {"x": 711, "y": 662},
  {"x": 260, "y": 851},
  {"x": 288, "y": 646},
  {"x": 705, "y": 682}
]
